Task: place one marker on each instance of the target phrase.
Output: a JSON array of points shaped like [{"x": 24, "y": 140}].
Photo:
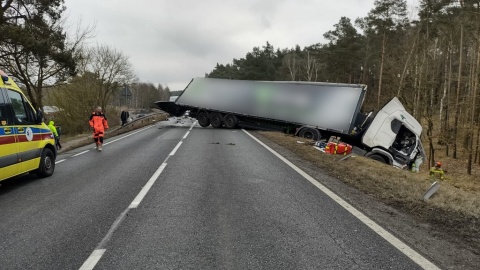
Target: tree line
[
  {"x": 431, "y": 62},
  {"x": 57, "y": 68}
]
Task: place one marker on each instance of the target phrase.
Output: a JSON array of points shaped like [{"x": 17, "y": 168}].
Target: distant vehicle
[
  {"x": 26, "y": 142},
  {"x": 312, "y": 110}
]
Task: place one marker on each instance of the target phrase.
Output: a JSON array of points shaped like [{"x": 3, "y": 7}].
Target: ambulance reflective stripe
[
  {"x": 35, "y": 134},
  {"x": 26, "y": 134}
]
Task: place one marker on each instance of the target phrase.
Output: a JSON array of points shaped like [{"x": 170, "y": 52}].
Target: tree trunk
[
  {"x": 473, "y": 114},
  {"x": 457, "y": 99},
  {"x": 384, "y": 42},
  {"x": 402, "y": 78},
  {"x": 447, "y": 108}
]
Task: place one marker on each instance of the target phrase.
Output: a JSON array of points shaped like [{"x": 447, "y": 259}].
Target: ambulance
[{"x": 26, "y": 143}]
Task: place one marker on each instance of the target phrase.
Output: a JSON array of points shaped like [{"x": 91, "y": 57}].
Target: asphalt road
[{"x": 181, "y": 198}]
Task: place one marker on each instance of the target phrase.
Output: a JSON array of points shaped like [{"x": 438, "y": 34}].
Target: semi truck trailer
[{"x": 312, "y": 110}]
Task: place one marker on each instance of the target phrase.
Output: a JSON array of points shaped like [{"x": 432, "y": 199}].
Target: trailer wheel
[
  {"x": 310, "y": 133},
  {"x": 203, "y": 119},
  {"x": 378, "y": 158},
  {"x": 230, "y": 121},
  {"x": 216, "y": 120},
  {"x": 47, "y": 163}
]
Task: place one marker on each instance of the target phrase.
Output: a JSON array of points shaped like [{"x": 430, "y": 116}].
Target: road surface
[{"x": 182, "y": 197}]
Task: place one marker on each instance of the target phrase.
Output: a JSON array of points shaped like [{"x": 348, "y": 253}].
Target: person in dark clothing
[{"x": 124, "y": 117}]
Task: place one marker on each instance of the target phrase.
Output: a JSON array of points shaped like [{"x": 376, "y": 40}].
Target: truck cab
[
  {"x": 26, "y": 142},
  {"x": 394, "y": 135}
]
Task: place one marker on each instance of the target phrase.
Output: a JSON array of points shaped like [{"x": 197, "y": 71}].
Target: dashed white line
[
  {"x": 394, "y": 241},
  {"x": 59, "y": 161},
  {"x": 81, "y": 153},
  {"x": 175, "y": 149},
  {"x": 147, "y": 187},
  {"x": 90, "y": 263},
  {"x": 97, "y": 254}
]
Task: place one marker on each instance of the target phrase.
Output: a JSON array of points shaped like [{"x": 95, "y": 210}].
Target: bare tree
[
  {"x": 291, "y": 62},
  {"x": 112, "y": 69}
]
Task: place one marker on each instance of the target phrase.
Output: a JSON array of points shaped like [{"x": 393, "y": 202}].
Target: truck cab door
[{"x": 9, "y": 148}]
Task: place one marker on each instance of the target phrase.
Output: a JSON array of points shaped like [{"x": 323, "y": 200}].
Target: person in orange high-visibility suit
[{"x": 99, "y": 125}]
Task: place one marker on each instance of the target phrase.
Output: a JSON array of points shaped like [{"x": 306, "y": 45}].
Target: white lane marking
[
  {"x": 81, "y": 153},
  {"x": 128, "y": 135},
  {"x": 97, "y": 254},
  {"x": 90, "y": 263},
  {"x": 406, "y": 250},
  {"x": 59, "y": 161},
  {"x": 191, "y": 127},
  {"x": 147, "y": 187},
  {"x": 175, "y": 149},
  {"x": 184, "y": 137}
]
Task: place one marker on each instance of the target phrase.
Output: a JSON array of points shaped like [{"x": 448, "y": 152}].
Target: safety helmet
[{"x": 438, "y": 164}]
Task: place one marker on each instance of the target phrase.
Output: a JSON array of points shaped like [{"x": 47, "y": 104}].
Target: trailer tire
[
  {"x": 203, "y": 119},
  {"x": 47, "y": 163},
  {"x": 216, "y": 120},
  {"x": 230, "y": 121},
  {"x": 310, "y": 133},
  {"x": 378, "y": 158}
]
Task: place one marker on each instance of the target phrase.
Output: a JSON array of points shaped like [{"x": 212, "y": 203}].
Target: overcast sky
[{"x": 172, "y": 41}]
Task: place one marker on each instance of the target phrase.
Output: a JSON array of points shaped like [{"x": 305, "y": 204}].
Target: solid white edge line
[
  {"x": 175, "y": 149},
  {"x": 147, "y": 187},
  {"x": 81, "y": 153},
  {"x": 90, "y": 263},
  {"x": 397, "y": 243},
  {"x": 59, "y": 161},
  {"x": 186, "y": 134}
]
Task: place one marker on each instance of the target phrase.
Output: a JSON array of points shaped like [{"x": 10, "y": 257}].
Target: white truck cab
[{"x": 394, "y": 135}]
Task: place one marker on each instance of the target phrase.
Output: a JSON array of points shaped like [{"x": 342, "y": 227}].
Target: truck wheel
[
  {"x": 310, "y": 133},
  {"x": 216, "y": 120},
  {"x": 203, "y": 120},
  {"x": 47, "y": 163},
  {"x": 230, "y": 121},
  {"x": 378, "y": 158}
]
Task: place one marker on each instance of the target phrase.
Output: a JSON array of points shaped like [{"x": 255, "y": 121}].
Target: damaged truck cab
[{"x": 393, "y": 137}]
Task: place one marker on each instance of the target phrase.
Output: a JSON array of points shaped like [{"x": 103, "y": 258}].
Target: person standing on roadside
[
  {"x": 51, "y": 126},
  {"x": 124, "y": 117},
  {"x": 98, "y": 123}
]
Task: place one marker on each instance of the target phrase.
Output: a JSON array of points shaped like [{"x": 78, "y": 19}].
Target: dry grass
[{"x": 455, "y": 205}]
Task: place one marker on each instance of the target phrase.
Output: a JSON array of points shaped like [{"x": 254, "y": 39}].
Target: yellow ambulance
[{"x": 26, "y": 142}]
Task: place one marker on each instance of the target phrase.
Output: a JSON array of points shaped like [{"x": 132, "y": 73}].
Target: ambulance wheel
[
  {"x": 216, "y": 120},
  {"x": 203, "y": 120},
  {"x": 47, "y": 163},
  {"x": 310, "y": 133},
  {"x": 378, "y": 158},
  {"x": 231, "y": 121}
]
